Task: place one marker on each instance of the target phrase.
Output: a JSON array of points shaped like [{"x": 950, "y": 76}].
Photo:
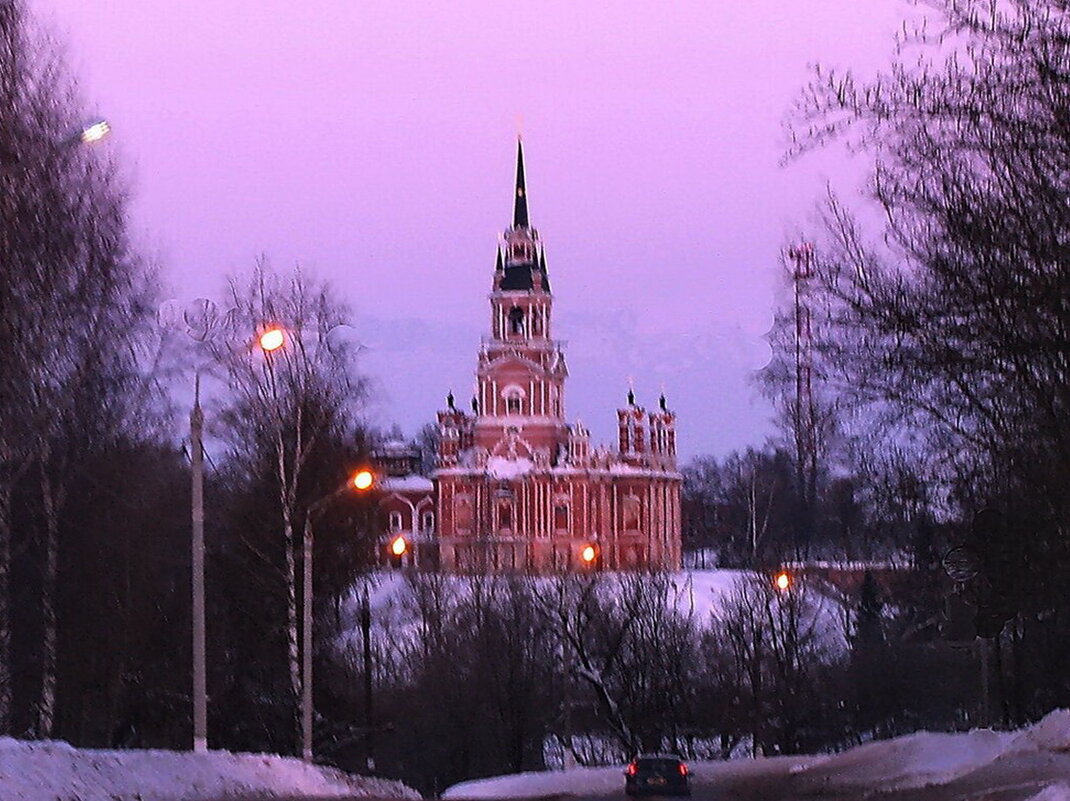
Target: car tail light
[
  {"x": 632, "y": 769},
  {"x": 682, "y": 768}
]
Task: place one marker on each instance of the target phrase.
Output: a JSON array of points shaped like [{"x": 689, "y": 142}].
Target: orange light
[
  {"x": 399, "y": 546},
  {"x": 683, "y": 769},
  {"x": 632, "y": 769},
  {"x": 272, "y": 339},
  {"x": 363, "y": 479},
  {"x": 588, "y": 554},
  {"x": 783, "y": 580}
]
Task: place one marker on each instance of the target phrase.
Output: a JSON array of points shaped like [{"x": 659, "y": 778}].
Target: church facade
[{"x": 517, "y": 488}]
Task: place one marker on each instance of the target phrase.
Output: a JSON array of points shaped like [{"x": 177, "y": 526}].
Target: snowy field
[
  {"x": 1030, "y": 764},
  {"x": 700, "y": 592},
  {"x": 54, "y": 771}
]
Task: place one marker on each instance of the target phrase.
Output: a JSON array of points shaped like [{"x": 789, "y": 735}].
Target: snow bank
[
  {"x": 1051, "y": 733},
  {"x": 50, "y": 770},
  {"x": 916, "y": 760},
  {"x": 576, "y": 781},
  {"x": 1053, "y": 792},
  {"x": 923, "y": 759}
]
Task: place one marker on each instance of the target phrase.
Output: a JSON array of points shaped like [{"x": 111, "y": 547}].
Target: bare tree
[
  {"x": 771, "y": 646},
  {"x": 72, "y": 311},
  {"x": 287, "y": 403},
  {"x": 948, "y": 316}
]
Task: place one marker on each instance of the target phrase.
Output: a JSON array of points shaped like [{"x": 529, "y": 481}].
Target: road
[{"x": 1015, "y": 777}]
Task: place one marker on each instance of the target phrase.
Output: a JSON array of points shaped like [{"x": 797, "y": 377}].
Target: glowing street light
[
  {"x": 272, "y": 339},
  {"x": 782, "y": 580},
  {"x": 94, "y": 132},
  {"x": 90, "y": 134},
  {"x": 362, "y": 481},
  {"x": 399, "y": 546},
  {"x": 589, "y": 554}
]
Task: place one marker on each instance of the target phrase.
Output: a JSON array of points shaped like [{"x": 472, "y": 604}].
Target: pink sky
[{"x": 373, "y": 142}]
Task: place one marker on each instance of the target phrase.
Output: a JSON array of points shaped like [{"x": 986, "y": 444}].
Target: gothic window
[
  {"x": 561, "y": 516},
  {"x": 505, "y": 516},
  {"x": 513, "y": 401},
  {"x": 631, "y": 509},
  {"x": 429, "y": 522},
  {"x": 516, "y": 320},
  {"x": 395, "y": 521},
  {"x": 536, "y": 323},
  {"x": 462, "y": 513}
]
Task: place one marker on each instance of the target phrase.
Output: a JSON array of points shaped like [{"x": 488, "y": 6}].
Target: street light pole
[
  {"x": 306, "y": 645},
  {"x": 362, "y": 481},
  {"x": 200, "y": 700},
  {"x": 366, "y": 632}
]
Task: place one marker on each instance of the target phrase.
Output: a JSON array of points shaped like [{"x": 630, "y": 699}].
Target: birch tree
[
  {"x": 72, "y": 301},
  {"x": 286, "y": 404}
]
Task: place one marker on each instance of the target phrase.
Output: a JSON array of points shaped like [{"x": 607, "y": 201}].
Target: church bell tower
[{"x": 521, "y": 371}]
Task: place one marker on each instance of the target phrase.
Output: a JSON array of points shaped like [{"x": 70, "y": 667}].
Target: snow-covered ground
[
  {"x": 1030, "y": 764},
  {"x": 54, "y": 771},
  {"x": 700, "y": 592}
]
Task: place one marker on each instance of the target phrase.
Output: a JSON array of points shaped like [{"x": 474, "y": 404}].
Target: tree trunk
[
  {"x": 293, "y": 661},
  {"x": 5, "y": 609},
  {"x": 46, "y": 705}
]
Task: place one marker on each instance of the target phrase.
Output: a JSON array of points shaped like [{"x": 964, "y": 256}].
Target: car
[{"x": 657, "y": 774}]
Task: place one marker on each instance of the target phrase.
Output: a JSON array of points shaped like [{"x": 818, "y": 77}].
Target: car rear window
[{"x": 667, "y": 765}]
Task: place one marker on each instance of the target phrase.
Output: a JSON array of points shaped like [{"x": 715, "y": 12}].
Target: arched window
[
  {"x": 395, "y": 521},
  {"x": 505, "y": 515},
  {"x": 516, "y": 320},
  {"x": 462, "y": 512},
  {"x": 514, "y": 399},
  {"x": 561, "y": 516},
  {"x": 631, "y": 513}
]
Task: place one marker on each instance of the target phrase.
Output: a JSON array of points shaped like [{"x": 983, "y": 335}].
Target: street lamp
[
  {"x": 196, "y": 436},
  {"x": 782, "y": 580},
  {"x": 94, "y": 132},
  {"x": 272, "y": 339},
  {"x": 362, "y": 481},
  {"x": 87, "y": 135},
  {"x": 589, "y": 555},
  {"x": 200, "y": 683}
]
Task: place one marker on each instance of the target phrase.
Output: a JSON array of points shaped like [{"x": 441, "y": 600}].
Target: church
[{"x": 517, "y": 488}]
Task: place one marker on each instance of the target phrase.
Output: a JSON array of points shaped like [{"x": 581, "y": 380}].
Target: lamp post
[
  {"x": 200, "y": 685},
  {"x": 269, "y": 340},
  {"x": 361, "y": 481},
  {"x": 89, "y": 134}
]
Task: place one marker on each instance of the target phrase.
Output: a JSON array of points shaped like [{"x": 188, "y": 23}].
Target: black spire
[
  {"x": 520, "y": 202},
  {"x": 498, "y": 266}
]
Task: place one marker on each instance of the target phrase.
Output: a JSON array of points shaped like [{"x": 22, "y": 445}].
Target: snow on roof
[
  {"x": 502, "y": 468},
  {"x": 406, "y": 484},
  {"x": 47, "y": 770}
]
